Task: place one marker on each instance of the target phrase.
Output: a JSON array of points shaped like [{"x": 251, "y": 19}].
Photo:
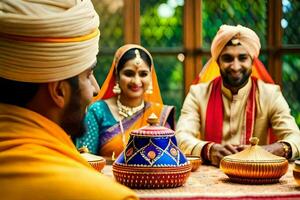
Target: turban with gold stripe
[
  {"x": 47, "y": 40},
  {"x": 245, "y": 36}
]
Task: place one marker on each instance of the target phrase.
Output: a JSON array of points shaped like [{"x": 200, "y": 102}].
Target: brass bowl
[
  {"x": 296, "y": 172},
  {"x": 97, "y": 162},
  {"x": 195, "y": 161},
  {"x": 254, "y": 165},
  {"x": 254, "y": 173}
]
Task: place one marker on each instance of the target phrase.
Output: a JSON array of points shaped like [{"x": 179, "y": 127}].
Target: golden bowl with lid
[
  {"x": 254, "y": 165},
  {"x": 97, "y": 162}
]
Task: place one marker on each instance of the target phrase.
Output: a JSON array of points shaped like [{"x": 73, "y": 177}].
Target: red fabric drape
[{"x": 214, "y": 113}]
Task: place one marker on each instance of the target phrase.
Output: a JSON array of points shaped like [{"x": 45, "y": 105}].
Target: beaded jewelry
[
  {"x": 138, "y": 59},
  {"x": 126, "y": 111}
]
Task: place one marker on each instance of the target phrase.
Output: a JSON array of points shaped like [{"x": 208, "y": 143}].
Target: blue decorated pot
[{"x": 152, "y": 159}]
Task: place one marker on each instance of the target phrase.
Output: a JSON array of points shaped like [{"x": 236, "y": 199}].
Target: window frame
[{"x": 192, "y": 38}]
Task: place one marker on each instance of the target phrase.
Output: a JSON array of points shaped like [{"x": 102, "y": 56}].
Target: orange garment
[{"x": 39, "y": 161}]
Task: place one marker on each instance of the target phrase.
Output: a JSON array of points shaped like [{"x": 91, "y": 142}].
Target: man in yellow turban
[
  {"x": 219, "y": 117},
  {"x": 47, "y": 53}
]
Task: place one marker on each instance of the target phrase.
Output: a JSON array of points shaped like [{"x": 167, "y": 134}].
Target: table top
[{"x": 209, "y": 182}]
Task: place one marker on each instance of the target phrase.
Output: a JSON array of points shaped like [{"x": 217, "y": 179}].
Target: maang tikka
[
  {"x": 116, "y": 88},
  {"x": 138, "y": 59}
]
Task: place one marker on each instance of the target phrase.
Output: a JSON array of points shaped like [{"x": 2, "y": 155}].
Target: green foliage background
[
  {"x": 166, "y": 35},
  {"x": 291, "y": 62}
]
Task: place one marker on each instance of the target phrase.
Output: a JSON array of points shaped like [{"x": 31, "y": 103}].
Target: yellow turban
[
  {"x": 47, "y": 40},
  {"x": 245, "y": 36}
]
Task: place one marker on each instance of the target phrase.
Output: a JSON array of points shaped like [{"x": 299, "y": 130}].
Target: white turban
[
  {"x": 245, "y": 36},
  {"x": 47, "y": 40}
]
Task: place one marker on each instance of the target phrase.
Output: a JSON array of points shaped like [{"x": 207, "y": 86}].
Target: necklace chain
[{"x": 126, "y": 111}]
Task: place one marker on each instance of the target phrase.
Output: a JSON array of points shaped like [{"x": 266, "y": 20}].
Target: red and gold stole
[{"x": 214, "y": 113}]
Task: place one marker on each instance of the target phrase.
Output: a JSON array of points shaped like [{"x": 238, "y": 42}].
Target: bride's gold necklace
[{"x": 126, "y": 111}]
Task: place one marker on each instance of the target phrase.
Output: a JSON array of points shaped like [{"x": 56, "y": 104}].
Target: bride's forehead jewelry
[{"x": 138, "y": 59}]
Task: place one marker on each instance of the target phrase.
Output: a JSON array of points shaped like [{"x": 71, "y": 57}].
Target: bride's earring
[
  {"x": 117, "y": 89},
  {"x": 150, "y": 89}
]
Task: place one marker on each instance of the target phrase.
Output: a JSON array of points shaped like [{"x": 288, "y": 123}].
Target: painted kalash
[{"x": 152, "y": 159}]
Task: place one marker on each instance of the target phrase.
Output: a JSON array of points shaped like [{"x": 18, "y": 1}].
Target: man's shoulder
[
  {"x": 267, "y": 88},
  {"x": 201, "y": 88},
  {"x": 202, "y": 85}
]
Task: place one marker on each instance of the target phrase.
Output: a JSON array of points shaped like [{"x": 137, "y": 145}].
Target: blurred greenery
[
  {"x": 157, "y": 31},
  {"x": 291, "y": 15},
  {"x": 102, "y": 68},
  {"x": 249, "y": 13},
  {"x": 166, "y": 34},
  {"x": 291, "y": 63},
  {"x": 170, "y": 76},
  {"x": 291, "y": 80},
  {"x": 111, "y": 38},
  {"x": 111, "y": 23}
]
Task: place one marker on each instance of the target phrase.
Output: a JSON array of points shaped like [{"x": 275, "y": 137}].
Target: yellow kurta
[
  {"x": 272, "y": 109},
  {"x": 39, "y": 161}
]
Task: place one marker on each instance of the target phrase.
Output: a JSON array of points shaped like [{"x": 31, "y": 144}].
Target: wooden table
[{"x": 209, "y": 182}]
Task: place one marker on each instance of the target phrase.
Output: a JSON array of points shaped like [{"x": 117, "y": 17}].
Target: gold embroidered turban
[
  {"x": 245, "y": 36},
  {"x": 47, "y": 40}
]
